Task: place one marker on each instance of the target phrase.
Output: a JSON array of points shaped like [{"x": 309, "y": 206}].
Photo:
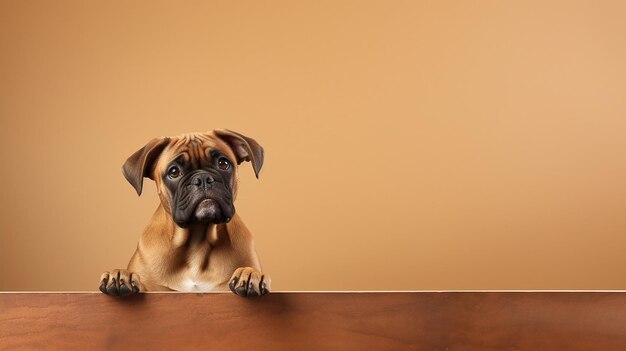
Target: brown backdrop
[{"x": 410, "y": 145}]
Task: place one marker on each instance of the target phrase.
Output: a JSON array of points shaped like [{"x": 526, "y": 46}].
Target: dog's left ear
[
  {"x": 141, "y": 163},
  {"x": 245, "y": 149}
]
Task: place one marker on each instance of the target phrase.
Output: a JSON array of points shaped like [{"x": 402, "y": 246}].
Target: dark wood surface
[{"x": 315, "y": 321}]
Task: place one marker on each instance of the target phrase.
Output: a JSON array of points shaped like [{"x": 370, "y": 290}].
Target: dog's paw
[
  {"x": 248, "y": 282},
  {"x": 120, "y": 282}
]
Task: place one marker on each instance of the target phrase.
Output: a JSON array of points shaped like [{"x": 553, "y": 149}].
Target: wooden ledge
[{"x": 316, "y": 321}]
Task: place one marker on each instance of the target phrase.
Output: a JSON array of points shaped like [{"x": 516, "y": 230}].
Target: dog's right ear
[{"x": 141, "y": 163}]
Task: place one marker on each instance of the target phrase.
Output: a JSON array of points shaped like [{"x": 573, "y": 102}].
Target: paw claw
[
  {"x": 264, "y": 289},
  {"x": 233, "y": 284},
  {"x": 124, "y": 290},
  {"x": 103, "y": 287},
  {"x": 134, "y": 287},
  {"x": 241, "y": 289}
]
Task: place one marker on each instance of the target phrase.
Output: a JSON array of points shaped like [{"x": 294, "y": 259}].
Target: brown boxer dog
[{"x": 195, "y": 240}]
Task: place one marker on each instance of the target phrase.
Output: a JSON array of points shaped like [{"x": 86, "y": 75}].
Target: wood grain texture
[{"x": 316, "y": 321}]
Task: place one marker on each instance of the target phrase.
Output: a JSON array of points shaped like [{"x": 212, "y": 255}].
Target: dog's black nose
[{"x": 202, "y": 179}]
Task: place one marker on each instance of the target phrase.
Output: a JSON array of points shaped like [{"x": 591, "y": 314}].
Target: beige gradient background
[{"x": 409, "y": 145}]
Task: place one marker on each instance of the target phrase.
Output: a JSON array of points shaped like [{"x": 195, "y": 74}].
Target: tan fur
[{"x": 202, "y": 257}]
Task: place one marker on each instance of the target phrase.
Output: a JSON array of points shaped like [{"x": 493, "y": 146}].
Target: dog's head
[{"x": 195, "y": 173}]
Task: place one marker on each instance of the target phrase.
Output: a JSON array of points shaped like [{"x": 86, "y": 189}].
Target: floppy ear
[
  {"x": 245, "y": 149},
  {"x": 140, "y": 163}
]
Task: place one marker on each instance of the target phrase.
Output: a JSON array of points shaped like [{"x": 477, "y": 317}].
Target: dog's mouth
[
  {"x": 207, "y": 209},
  {"x": 202, "y": 207}
]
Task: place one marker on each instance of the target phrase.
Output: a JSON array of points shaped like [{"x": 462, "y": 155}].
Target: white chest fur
[{"x": 190, "y": 285}]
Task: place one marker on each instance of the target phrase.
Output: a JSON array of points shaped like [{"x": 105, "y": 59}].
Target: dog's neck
[
  {"x": 197, "y": 233},
  {"x": 200, "y": 232}
]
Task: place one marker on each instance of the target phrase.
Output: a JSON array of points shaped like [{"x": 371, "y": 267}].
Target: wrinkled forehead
[{"x": 194, "y": 148}]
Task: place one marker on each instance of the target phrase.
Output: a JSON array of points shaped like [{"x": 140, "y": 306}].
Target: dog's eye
[
  {"x": 174, "y": 172},
  {"x": 223, "y": 163}
]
